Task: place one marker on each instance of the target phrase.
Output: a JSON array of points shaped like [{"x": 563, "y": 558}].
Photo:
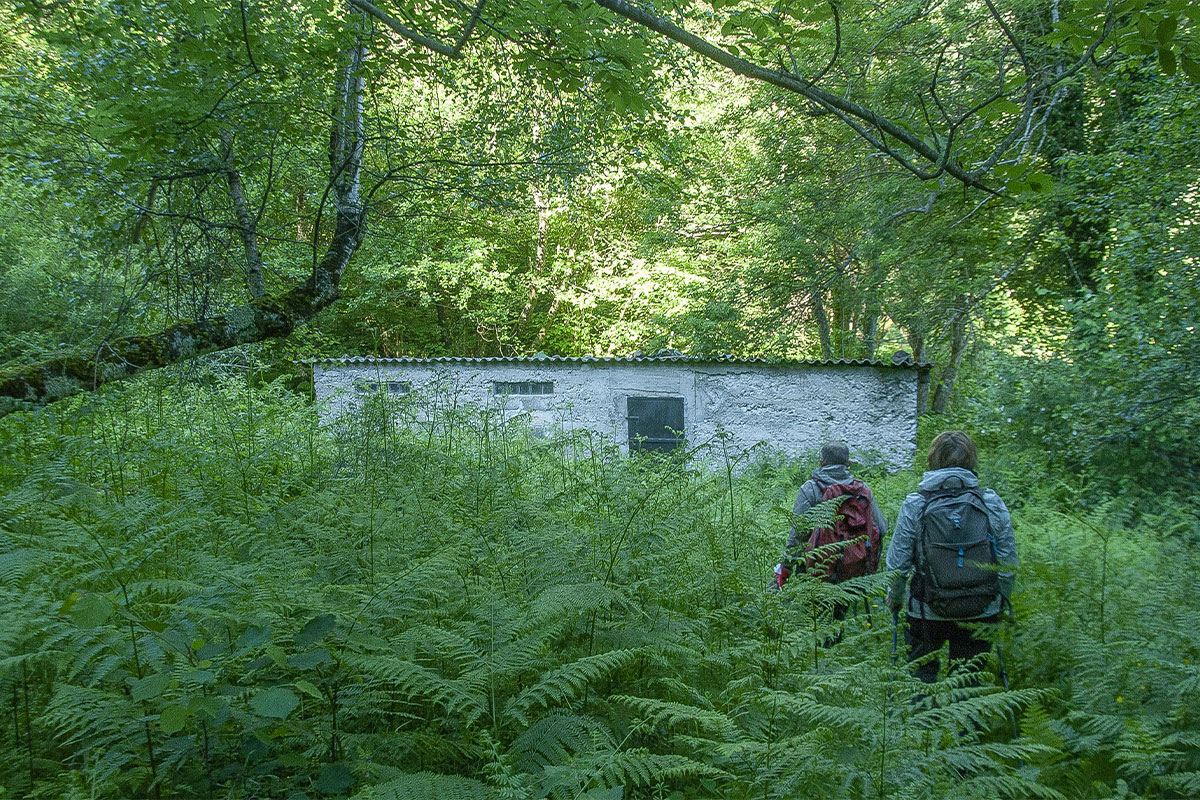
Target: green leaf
[
  {"x": 172, "y": 719},
  {"x": 310, "y": 660},
  {"x": 1166, "y": 60},
  {"x": 1039, "y": 181},
  {"x": 334, "y": 779},
  {"x": 309, "y": 689},
  {"x": 211, "y": 709},
  {"x": 149, "y": 687},
  {"x": 91, "y": 610},
  {"x": 1005, "y": 107},
  {"x": 1190, "y": 68},
  {"x": 316, "y": 630},
  {"x": 1166, "y": 30},
  {"x": 201, "y": 676},
  {"x": 253, "y": 636},
  {"x": 69, "y": 603},
  {"x": 276, "y": 654},
  {"x": 276, "y": 703}
]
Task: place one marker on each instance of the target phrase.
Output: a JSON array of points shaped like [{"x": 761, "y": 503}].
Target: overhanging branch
[
  {"x": 860, "y": 119},
  {"x": 418, "y": 38}
]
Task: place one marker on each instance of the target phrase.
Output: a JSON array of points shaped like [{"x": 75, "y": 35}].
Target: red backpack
[{"x": 855, "y": 523}]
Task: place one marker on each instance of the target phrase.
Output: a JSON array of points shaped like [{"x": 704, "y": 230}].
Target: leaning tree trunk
[{"x": 260, "y": 319}]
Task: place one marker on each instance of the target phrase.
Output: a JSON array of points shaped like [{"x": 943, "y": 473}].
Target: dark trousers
[{"x": 925, "y": 636}]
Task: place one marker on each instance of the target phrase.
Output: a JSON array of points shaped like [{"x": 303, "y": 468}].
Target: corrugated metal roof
[{"x": 658, "y": 358}]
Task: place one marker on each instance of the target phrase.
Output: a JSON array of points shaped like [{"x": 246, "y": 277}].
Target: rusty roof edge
[{"x": 638, "y": 359}]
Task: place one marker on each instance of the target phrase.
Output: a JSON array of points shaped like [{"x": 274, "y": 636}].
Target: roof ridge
[{"x": 636, "y": 358}]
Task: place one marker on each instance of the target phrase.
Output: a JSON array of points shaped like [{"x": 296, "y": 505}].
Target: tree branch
[
  {"x": 858, "y": 117},
  {"x": 418, "y": 38},
  {"x": 265, "y": 318},
  {"x": 262, "y": 318}
]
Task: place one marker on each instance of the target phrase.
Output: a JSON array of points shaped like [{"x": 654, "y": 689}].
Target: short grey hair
[{"x": 835, "y": 453}]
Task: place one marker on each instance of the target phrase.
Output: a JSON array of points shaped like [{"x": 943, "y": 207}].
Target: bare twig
[{"x": 837, "y": 45}]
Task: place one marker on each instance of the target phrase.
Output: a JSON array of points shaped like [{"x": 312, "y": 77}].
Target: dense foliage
[{"x": 218, "y": 597}]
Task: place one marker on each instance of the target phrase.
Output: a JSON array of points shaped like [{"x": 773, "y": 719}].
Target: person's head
[
  {"x": 835, "y": 453},
  {"x": 952, "y": 449}
]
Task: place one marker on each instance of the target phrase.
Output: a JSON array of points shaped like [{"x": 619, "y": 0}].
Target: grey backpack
[{"x": 954, "y": 556}]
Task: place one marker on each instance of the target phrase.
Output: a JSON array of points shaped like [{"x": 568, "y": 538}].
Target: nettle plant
[{"x": 214, "y": 596}]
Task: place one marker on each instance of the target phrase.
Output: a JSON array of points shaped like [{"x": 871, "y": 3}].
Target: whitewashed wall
[{"x": 792, "y": 408}]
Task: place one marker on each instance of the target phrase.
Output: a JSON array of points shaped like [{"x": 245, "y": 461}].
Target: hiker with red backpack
[
  {"x": 859, "y": 522},
  {"x": 954, "y": 548}
]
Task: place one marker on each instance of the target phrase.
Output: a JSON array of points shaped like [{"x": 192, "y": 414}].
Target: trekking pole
[
  {"x": 1004, "y": 680},
  {"x": 895, "y": 627},
  {"x": 1000, "y": 661}
]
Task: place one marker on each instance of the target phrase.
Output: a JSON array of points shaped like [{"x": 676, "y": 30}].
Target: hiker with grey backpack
[{"x": 954, "y": 548}]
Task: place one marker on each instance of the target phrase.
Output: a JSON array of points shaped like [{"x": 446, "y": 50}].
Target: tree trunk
[
  {"x": 916, "y": 341},
  {"x": 958, "y": 345},
  {"x": 541, "y": 205},
  {"x": 246, "y": 223},
  {"x": 818, "y": 305},
  {"x": 263, "y": 318}
]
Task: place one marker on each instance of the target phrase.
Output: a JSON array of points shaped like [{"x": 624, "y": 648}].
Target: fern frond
[
  {"x": 968, "y": 712},
  {"x": 1182, "y": 784},
  {"x": 557, "y": 737},
  {"x": 571, "y": 601},
  {"x": 566, "y": 682},
  {"x": 416, "y": 681},
  {"x": 16, "y": 564},
  {"x": 427, "y": 786},
  {"x": 1010, "y": 786},
  {"x": 672, "y": 715},
  {"x": 640, "y": 767}
]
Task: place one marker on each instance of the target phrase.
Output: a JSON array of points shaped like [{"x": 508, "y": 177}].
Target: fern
[
  {"x": 639, "y": 767},
  {"x": 676, "y": 715},
  {"x": 521, "y": 619},
  {"x": 566, "y": 682},
  {"x": 426, "y": 785},
  {"x": 556, "y": 738}
]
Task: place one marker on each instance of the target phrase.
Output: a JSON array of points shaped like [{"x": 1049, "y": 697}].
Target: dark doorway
[{"x": 655, "y": 423}]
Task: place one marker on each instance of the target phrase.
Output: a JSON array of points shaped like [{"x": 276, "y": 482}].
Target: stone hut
[{"x": 657, "y": 402}]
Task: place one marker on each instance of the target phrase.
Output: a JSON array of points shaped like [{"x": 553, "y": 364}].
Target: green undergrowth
[{"x": 208, "y": 594}]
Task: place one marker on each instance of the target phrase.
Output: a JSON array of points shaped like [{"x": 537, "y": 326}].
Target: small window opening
[
  {"x": 522, "y": 387},
  {"x": 363, "y": 386}
]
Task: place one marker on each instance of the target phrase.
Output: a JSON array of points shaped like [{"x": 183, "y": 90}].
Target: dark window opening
[
  {"x": 522, "y": 387},
  {"x": 363, "y": 386},
  {"x": 655, "y": 423}
]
